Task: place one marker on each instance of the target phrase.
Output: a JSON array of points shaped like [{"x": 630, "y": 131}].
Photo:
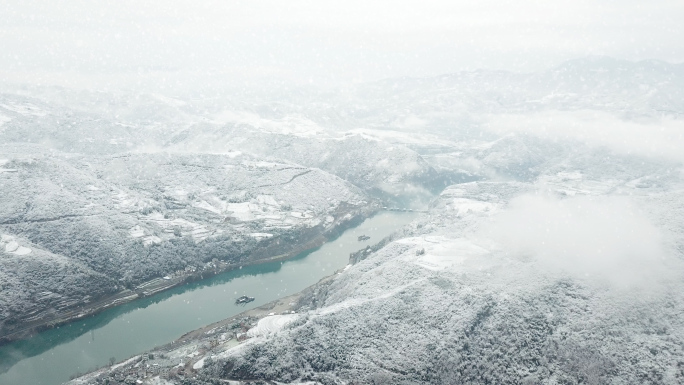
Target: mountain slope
[{"x": 109, "y": 223}]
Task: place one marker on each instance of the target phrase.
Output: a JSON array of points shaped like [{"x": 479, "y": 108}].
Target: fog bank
[{"x": 597, "y": 238}]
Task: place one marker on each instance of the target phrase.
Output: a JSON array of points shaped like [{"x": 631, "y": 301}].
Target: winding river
[{"x": 52, "y": 357}]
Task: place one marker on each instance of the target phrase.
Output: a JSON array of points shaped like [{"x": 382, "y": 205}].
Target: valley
[
  {"x": 52, "y": 356},
  {"x": 527, "y": 244}
]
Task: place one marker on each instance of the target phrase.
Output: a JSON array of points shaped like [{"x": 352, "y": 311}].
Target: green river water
[{"x": 53, "y": 356}]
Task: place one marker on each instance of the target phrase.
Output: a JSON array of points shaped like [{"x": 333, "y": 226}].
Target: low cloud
[
  {"x": 657, "y": 138},
  {"x": 587, "y": 237}
]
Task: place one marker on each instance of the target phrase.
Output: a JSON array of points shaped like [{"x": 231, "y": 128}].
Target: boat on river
[
  {"x": 244, "y": 300},
  {"x": 363, "y": 238}
]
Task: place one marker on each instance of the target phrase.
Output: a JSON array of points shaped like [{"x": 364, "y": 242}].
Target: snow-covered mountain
[
  {"x": 77, "y": 227},
  {"x": 557, "y": 259},
  {"x": 573, "y": 277}
]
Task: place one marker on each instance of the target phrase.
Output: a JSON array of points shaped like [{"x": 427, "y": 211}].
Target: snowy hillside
[
  {"x": 466, "y": 297},
  {"x": 570, "y": 275},
  {"x": 77, "y": 227},
  {"x": 417, "y": 125},
  {"x": 559, "y": 260},
  {"x": 550, "y": 252},
  {"x": 368, "y": 162}
]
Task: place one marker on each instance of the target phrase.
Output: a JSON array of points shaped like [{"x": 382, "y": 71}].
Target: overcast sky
[{"x": 91, "y": 43}]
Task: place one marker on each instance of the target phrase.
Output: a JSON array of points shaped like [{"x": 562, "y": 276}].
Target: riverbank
[
  {"x": 55, "y": 355},
  {"x": 271, "y": 250},
  {"x": 182, "y": 358}
]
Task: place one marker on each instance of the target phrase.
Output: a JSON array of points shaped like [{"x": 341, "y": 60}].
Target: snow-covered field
[
  {"x": 271, "y": 324},
  {"x": 12, "y": 246}
]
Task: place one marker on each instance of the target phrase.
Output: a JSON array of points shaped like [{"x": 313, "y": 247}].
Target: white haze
[
  {"x": 603, "y": 239},
  {"x": 654, "y": 138},
  {"x": 183, "y": 44}
]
